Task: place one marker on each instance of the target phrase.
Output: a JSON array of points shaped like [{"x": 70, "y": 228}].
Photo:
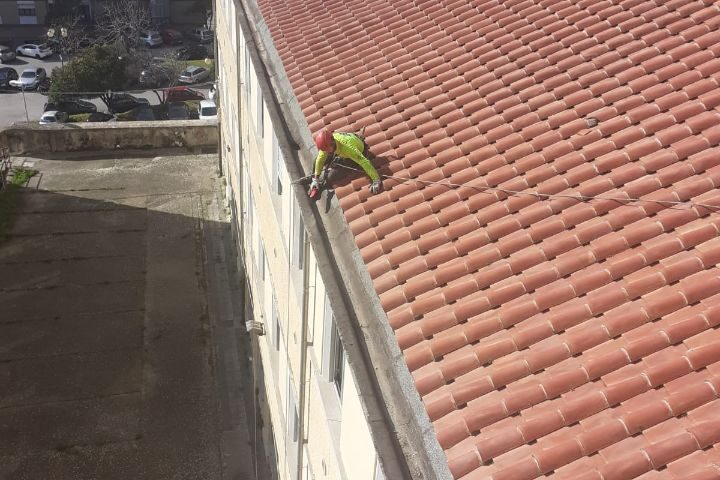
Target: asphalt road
[{"x": 16, "y": 107}]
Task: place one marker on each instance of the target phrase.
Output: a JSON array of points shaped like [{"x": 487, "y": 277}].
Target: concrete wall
[{"x": 190, "y": 134}]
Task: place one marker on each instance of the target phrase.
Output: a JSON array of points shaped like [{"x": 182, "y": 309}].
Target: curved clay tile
[{"x": 557, "y": 294}]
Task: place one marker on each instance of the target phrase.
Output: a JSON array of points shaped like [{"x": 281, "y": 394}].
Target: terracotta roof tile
[{"x": 547, "y": 336}]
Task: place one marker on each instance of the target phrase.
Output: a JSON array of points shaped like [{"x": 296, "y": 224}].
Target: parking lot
[{"x": 28, "y": 106}]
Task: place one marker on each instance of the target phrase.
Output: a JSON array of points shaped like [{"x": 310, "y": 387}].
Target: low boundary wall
[{"x": 76, "y": 137}]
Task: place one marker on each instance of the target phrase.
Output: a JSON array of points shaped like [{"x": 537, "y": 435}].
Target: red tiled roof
[{"x": 547, "y": 336}]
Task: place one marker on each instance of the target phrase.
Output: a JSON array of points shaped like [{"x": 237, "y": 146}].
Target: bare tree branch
[
  {"x": 123, "y": 21},
  {"x": 68, "y": 33}
]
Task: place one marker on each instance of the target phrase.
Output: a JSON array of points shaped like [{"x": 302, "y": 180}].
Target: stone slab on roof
[{"x": 547, "y": 248}]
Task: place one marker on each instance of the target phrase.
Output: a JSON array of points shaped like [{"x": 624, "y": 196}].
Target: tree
[
  {"x": 68, "y": 34},
  {"x": 96, "y": 72},
  {"x": 123, "y": 21}
]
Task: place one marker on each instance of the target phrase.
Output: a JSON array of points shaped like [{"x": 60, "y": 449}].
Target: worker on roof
[{"x": 343, "y": 145}]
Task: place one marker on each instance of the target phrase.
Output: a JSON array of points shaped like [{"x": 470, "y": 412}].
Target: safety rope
[{"x": 673, "y": 204}]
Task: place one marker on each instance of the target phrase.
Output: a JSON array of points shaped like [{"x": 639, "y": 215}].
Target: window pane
[{"x": 338, "y": 364}]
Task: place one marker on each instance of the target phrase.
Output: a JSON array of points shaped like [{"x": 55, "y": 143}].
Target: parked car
[
  {"x": 207, "y": 110},
  {"x": 144, "y": 113},
  {"x": 201, "y": 35},
  {"x": 53, "y": 116},
  {"x": 191, "y": 52},
  {"x": 178, "y": 111},
  {"x": 149, "y": 78},
  {"x": 6, "y": 54},
  {"x": 194, "y": 74},
  {"x": 171, "y": 36},
  {"x": 154, "y": 75},
  {"x": 7, "y": 75},
  {"x": 181, "y": 94},
  {"x": 100, "y": 117},
  {"x": 71, "y": 106},
  {"x": 30, "y": 78},
  {"x": 36, "y": 50},
  {"x": 151, "y": 38},
  {"x": 123, "y": 102}
]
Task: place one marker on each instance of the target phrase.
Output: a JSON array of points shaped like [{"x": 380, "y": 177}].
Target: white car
[
  {"x": 194, "y": 74},
  {"x": 151, "y": 38},
  {"x": 207, "y": 110},
  {"x": 30, "y": 78},
  {"x": 34, "y": 50},
  {"x": 53, "y": 116}
]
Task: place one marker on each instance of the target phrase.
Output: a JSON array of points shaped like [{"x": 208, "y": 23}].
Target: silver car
[
  {"x": 53, "y": 116},
  {"x": 6, "y": 54},
  {"x": 30, "y": 78},
  {"x": 151, "y": 39},
  {"x": 201, "y": 35},
  {"x": 193, "y": 74}
]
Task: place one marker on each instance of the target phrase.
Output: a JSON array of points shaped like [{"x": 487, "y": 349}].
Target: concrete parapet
[{"x": 74, "y": 137}]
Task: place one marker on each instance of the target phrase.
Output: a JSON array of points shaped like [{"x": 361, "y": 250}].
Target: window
[
  {"x": 293, "y": 430},
  {"x": 26, "y": 12},
  {"x": 248, "y": 87},
  {"x": 333, "y": 353},
  {"x": 260, "y": 115},
  {"x": 297, "y": 244},
  {"x": 275, "y": 324},
  {"x": 338, "y": 361},
  {"x": 249, "y": 213},
  {"x": 261, "y": 263},
  {"x": 277, "y": 167},
  {"x": 379, "y": 475}
]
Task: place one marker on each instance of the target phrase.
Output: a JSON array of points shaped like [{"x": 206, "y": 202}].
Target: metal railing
[{"x": 4, "y": 167}]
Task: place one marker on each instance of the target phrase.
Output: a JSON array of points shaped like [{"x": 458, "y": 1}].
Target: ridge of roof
[{"x": 547, "y": 337}]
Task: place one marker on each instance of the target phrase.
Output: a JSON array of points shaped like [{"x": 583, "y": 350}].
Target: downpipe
[{"x": 303, "y": 356}]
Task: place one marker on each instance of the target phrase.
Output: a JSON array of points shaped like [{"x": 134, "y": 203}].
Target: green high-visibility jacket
[{"x": 347, "y": 145}]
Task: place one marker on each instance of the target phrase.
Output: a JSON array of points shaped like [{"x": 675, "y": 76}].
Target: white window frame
[
  {"x": 275, "y": 319},
  {"x": 293, "y": 429},
  {"x": 277, "y": 165},
  {"x": 260, "y": 114},
  {"x": 333, "y": 354},
  {"x": 297, "y": 240},
  {"x": 337, "y": 364}
]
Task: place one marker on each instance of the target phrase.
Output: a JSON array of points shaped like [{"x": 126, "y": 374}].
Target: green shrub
[{"x": 80, "y": 117}]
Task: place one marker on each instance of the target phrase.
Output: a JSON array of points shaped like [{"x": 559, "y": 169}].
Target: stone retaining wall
[{"x": 75, "y": 137}]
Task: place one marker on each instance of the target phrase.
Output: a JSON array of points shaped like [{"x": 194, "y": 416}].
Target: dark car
[
  {"x": 71, "y": 106},
  {"x": 144, "y": 113},
  {"x": 123, "y": 102},
  {"x": 182, "y": 94},
  {"x": 99, "y": 117},
  {"x": 178, "y": 111},
  {"x": 7, "y": 74},
  {"x": 171, "y": 36},
  {"x": 191, "y": 52}
]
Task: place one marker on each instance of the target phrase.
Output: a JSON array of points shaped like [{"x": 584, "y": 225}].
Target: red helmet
[{"x": 324, "y": 141}]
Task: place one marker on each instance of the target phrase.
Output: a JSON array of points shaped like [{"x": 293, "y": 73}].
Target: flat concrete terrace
[{"x": 120, "y": 340}]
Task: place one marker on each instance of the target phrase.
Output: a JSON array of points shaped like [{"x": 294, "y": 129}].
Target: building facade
[
  {"x": 311, "y": 401},
  {"x": 22, "y": 12}
]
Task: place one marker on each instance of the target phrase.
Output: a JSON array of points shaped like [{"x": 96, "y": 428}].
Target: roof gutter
[{"x": 404, "y": 438}]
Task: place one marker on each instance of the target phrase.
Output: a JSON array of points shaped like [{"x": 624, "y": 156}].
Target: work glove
[
  {"x": 314, "y": 184},
  {"x": 375, "y": 186}
]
